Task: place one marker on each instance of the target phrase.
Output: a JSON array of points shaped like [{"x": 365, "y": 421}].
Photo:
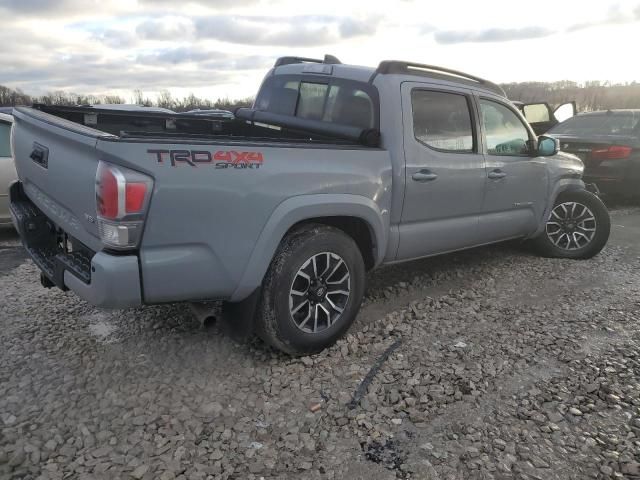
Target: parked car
[
  {"x": 542, "y": 117},
  {"x": 7, "y": 170},
  {"x": 280, "y": 211},
  {"x": 608, "y": 142}
]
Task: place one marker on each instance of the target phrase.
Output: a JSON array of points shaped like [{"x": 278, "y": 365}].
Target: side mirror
[{"x": 548, "y": 146}]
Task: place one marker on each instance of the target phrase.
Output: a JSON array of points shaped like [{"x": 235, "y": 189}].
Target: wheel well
[{"x": 355, "y": 227}]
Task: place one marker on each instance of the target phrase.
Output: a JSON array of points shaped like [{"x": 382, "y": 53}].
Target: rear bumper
[
  {"x": 104, "y": 280},
  {"x": 115, "y": 282}
]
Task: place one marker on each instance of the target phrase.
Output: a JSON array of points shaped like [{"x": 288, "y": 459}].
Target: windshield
[{"x": 600, "y": 124}]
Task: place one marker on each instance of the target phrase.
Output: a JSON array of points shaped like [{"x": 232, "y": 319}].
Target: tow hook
[{"x": 44, "y": 280}]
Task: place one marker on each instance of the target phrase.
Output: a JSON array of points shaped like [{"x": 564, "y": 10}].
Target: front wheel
[
  {"x": 578, "y": 227},
  {"x": 312, "y": 291}
]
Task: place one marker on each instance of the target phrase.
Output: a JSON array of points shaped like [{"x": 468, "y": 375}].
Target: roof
[{"x": 330, "y": 65}]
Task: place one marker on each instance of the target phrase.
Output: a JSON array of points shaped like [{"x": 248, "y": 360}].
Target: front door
[
  {"x": 517, "y": 182},
  {"x": 445, "y": 175}
]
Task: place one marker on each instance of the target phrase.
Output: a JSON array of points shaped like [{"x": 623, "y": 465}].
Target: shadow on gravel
[
  {"x": 171, "y": 334},
  {"x": 617, "y": 203},
  {"x": 10, "y": 258},
  {"x": 439, "y": 265},
  {"x": 11, "y": 252}
]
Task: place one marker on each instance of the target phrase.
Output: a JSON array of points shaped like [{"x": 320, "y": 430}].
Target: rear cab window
[{"x": 334, "y": 100}]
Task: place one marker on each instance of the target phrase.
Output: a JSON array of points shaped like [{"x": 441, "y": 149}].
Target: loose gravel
[{"x": 506, "y": 366}]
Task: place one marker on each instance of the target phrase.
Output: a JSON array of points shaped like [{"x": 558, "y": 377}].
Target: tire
[
  {"x": 282, "y": 315},
  {"x": 573, "y": 232}
]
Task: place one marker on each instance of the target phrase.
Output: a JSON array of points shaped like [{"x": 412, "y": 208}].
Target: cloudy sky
[{"x": 220, "y": 48}]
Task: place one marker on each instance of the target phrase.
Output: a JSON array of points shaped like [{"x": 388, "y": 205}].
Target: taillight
[
  {"x": 106, "y": 193},
  {"x": 122, "y": 197},
  {"x": 135, "y": 193},
  {"x": 614, "y": 152}
]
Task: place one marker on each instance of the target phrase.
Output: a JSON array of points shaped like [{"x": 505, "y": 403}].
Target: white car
[{"x": 7, "y": 168}]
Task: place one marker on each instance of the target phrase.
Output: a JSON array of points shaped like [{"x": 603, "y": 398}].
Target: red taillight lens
[
  {"x": 122, "y": 196},
  {"x": 614, "y": 152},
  {"x": 107, "y": 193},
  {"x": 134, "y": 197}
]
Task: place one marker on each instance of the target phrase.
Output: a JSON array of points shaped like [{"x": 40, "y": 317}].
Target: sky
[{"x": 223, "y": 48}]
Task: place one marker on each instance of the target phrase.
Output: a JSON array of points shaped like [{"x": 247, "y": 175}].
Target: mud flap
[{"x": 238, "y": 318}]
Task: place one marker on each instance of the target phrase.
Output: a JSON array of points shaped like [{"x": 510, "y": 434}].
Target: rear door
[
  {"x": 445, "y": 175},
  {"x": 517, "y": 182}
]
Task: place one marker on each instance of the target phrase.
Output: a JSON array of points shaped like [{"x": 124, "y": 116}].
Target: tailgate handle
[{"x": 40, "y": 155}]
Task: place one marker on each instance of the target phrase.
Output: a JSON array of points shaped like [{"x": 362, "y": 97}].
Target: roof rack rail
[
  {"x": 328, "y": 59},
  {"x": 398, "y": 66}
]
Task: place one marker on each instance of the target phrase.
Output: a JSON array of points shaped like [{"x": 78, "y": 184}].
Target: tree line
[
  {"x": 588, "y": 97},
  {"x": 10, "y": 97}
]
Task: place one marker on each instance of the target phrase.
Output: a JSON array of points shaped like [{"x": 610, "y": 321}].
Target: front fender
[
  {"x": 561, "y": 186},
  {"x": 307, "y": 207}
]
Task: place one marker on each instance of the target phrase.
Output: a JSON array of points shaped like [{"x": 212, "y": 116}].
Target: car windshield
[{"x": 601, "y": 124}]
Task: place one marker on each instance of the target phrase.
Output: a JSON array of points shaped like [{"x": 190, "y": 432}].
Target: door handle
[
  {"x": 496, "y": 174},
  {"x": 424, "y": 176}
]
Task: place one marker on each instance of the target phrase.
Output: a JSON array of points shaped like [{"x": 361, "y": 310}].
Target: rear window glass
[
  {"x": 311, "y": 100},
  {"x": 336, "y": 100},
  {"x": 5, "y": 146},
  {"x": 605, "y": 124}
]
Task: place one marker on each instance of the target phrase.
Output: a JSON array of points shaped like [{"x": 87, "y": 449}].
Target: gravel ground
[{"x": 503, "y": 365}]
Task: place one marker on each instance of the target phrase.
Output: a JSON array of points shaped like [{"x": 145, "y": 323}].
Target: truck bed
[{"x": 168, "y": 126}]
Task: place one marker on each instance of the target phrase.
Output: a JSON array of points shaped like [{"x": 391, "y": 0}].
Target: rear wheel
[
  {"x": 312, "y": 291},
  {"x": 578, "y": 227}
]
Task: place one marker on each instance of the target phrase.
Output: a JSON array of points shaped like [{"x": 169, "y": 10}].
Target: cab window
[
  {"x": 442, "y": 121},
  {"x": 504, "y": 131}
]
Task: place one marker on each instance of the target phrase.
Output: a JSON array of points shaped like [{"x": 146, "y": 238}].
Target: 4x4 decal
[{"x": 219, "y": 159}]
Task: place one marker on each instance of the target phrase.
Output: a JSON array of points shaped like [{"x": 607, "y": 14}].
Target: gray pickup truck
[{"x": 281, "y": 210}]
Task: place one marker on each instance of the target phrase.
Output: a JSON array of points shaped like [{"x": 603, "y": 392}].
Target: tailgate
[{"x": 56, "y": 161}]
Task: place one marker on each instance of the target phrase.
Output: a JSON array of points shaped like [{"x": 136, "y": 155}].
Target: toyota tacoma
[{"x": 280, "y": 211}]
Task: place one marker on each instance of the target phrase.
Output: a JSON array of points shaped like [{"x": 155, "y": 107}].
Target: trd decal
[{"x": 219, "y": 159}]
